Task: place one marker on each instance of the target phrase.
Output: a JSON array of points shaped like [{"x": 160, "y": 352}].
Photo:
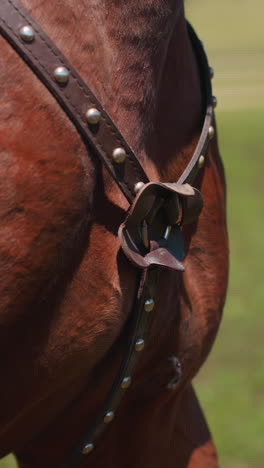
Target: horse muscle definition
[{"x": 66, "y": 289}]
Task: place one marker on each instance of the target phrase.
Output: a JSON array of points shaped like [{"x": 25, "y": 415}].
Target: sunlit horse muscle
[{"x": 66, "y": 290}]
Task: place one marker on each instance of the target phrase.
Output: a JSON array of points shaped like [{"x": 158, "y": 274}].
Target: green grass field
[{"x": 231, "y": 384}]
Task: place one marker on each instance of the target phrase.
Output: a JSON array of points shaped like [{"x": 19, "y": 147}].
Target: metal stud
[
  {"x": 88, "y": 448},
  {"x": 61, "y": 74},
  {"x": 119, "y": 155},
  {"x": 93, "y": 116},
  {"x": 174, "y": 382},
  {"x": 214, "y": 101},
  {"x": 109, "y": 417},
  {"x": 211, "y": 132},
  {"x": 27, "y": 33},
  {"x": 138, "y": 186},
  {"x": 126, "y": 382},
  {"x": 139, "y": 346},
  {"x": 149, "y": 305},
  {"x": 211, "y": 72},
  {"x": 201, "y": 161}
]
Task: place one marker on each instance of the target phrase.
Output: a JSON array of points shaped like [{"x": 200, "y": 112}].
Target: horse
[{"x": 67, "y": 288}]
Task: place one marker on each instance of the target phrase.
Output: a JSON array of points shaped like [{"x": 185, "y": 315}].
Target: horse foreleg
[{"x": 196, "y": 447}]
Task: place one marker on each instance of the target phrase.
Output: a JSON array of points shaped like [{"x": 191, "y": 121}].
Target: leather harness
[{"x": 150, "y": 236}]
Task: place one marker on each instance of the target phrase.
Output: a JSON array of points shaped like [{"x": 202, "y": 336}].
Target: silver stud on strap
[
  {"x": 138, "y": 186},
  {"x": 139, "y": 346},
  {"x": 149, "y": 305},
  {"x": 93, "y": 116},
  {"x": 214, "y": 101},
  {"x": 201, "y": 161},
  {"x": 27, "y": 33},
  {"x": 61, "y": 74},
  {"x": 211, "y": 132},
  {"x": 119, "y": 155},
  {"x": 88, "y": 448},
  {"x": 211, "y": 72},
  {"x": 126, "y": 382},
  {"x": 109, "y": 417}
]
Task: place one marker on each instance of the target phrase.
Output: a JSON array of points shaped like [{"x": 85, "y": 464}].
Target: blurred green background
[{"x": 231, "y": 383}]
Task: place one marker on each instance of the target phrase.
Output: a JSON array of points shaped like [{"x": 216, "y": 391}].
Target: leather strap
[
  {"x": 75, "y": 97},
  {"x": 141, "y": 319},
  {"x": 192, "y": 168}
]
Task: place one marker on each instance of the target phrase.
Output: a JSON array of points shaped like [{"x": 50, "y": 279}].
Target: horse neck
[{"x": 122, "y": 50}]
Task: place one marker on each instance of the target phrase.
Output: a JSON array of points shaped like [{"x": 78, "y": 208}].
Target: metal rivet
[
  {"x": 87, "y": 449},
  {"x": 138, "y": 186},
  {"x": 149, "y": 305},
  {"x": 211, "y": 132},
  {"x": 214, "y": 101},
  {"x": 211, "y": 72},
  {"x": 27, "y": 33},
  {"x": 139, "y": 346},
  {"x": 126, "y": 382},
  {"x": 174, "y": 382},
  {"x": 93, "y": 116},
  {"x": 61, "y": 74},
  {"x": 109, "y": 417},
  {"x": 201, "y": 161},
  {"x": 119, "y": 155}
]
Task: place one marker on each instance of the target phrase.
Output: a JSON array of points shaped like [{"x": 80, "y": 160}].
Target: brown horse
[{"x": 66, "y": 290}]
